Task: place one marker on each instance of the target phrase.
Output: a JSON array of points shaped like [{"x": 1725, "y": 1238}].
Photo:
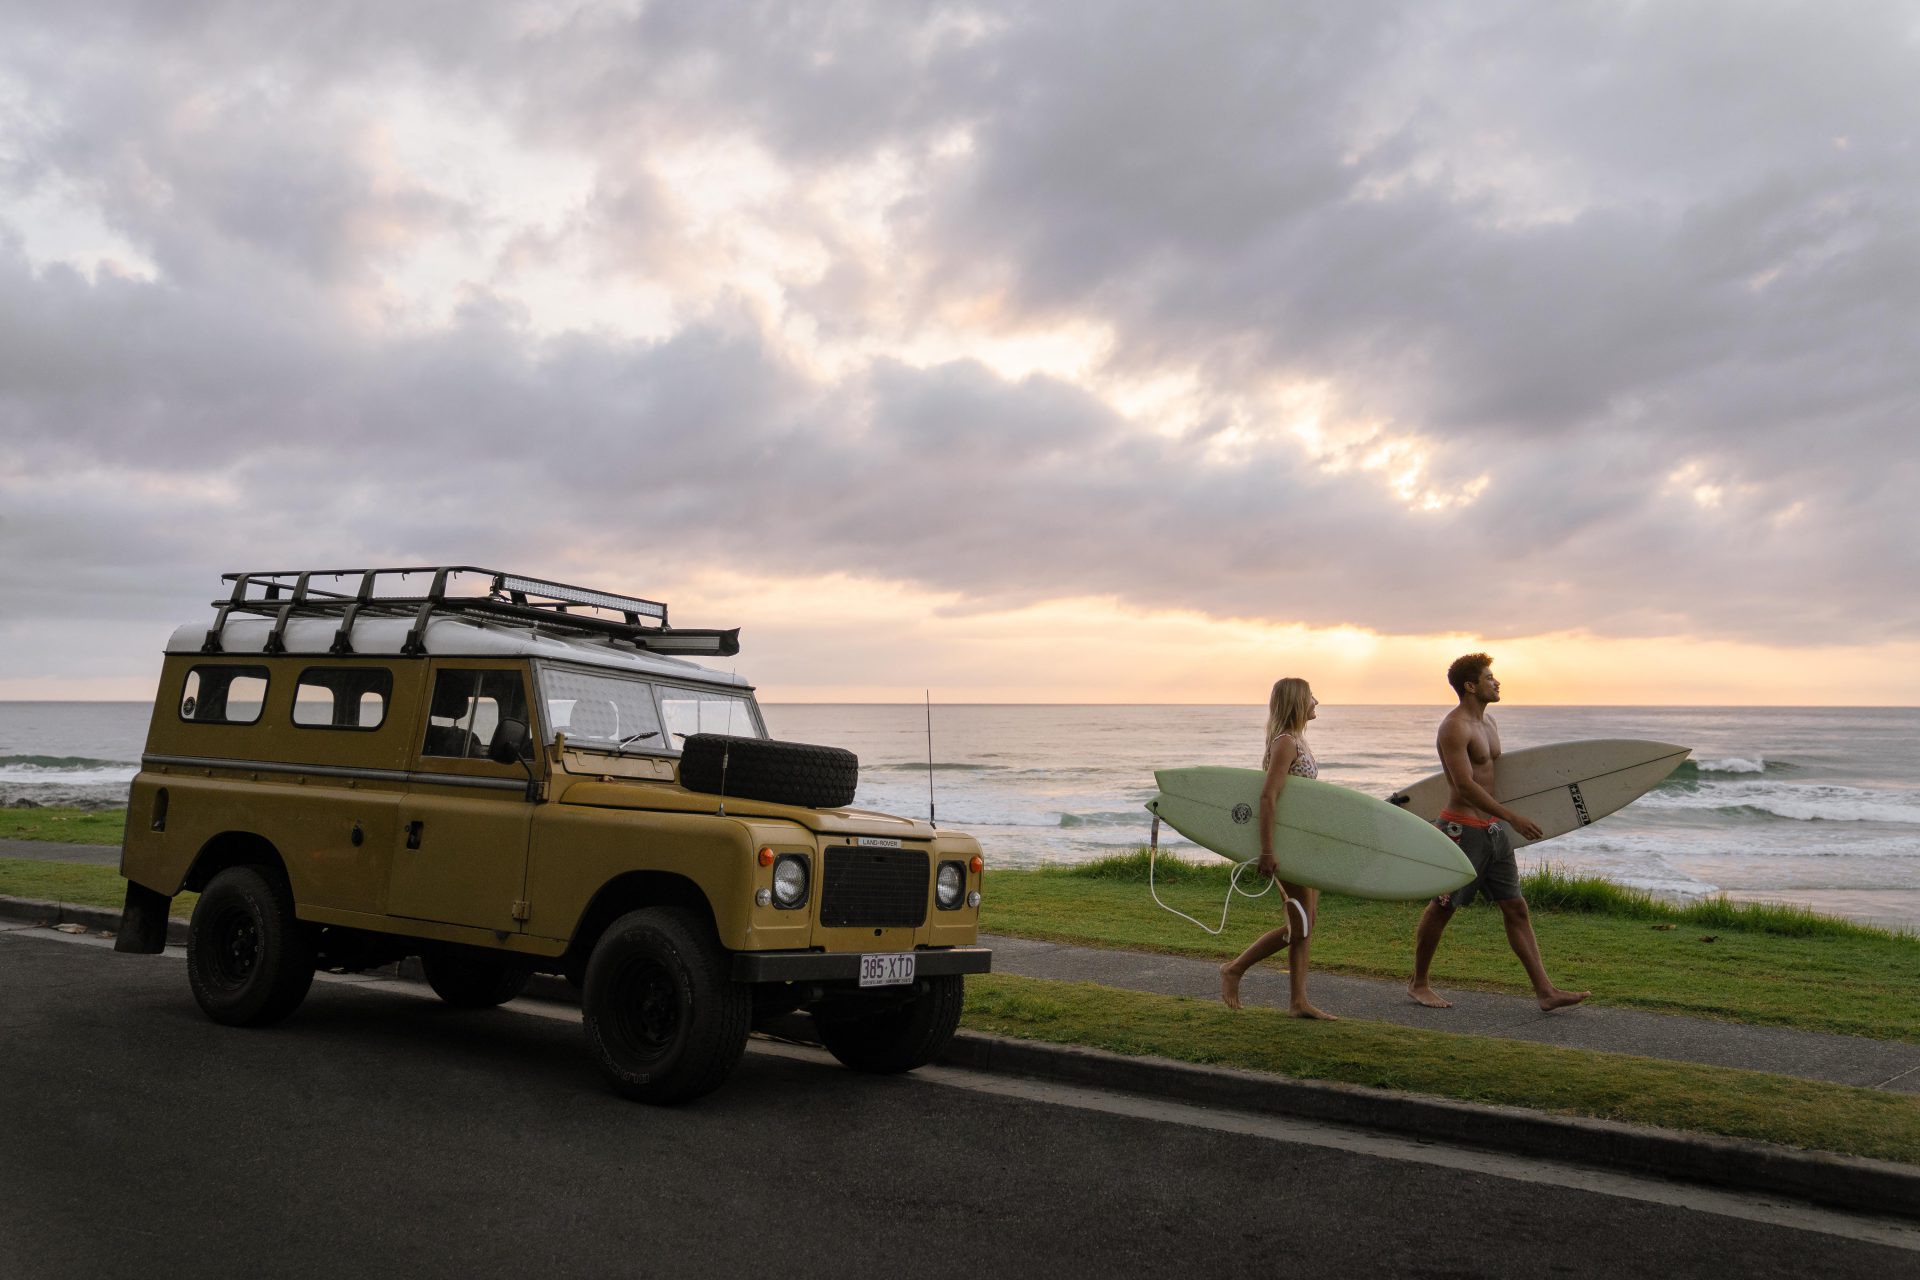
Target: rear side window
[
  {"x": 223, "y": 694},
  {"x": 342, "y": 697}
]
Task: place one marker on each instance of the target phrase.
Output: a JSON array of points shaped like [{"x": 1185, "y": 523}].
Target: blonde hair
[{"x": 1287, "y": 708}]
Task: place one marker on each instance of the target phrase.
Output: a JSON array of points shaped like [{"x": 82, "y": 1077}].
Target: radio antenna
[
  {"x": 726, "y": 751},
  {"x": 930, "y": 821}
]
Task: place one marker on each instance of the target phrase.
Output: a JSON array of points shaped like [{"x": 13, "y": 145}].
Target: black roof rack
[{"x": 471, "y": 593}]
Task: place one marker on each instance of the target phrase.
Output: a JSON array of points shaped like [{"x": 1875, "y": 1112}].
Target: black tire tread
[
  {"x": 899, "y": 1039},
  {"x": 720, "y": 1037},
  {"x": 796, "y": 773},
  {"x": 287, "y": 944}
]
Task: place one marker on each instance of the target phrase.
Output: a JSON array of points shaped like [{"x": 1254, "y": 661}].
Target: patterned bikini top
[{"x": 1304, "y": 765}]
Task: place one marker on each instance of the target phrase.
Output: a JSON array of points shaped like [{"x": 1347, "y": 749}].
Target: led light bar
[
  {"x": 579, "y": 595},
  {"x": 688, "y": 640}
]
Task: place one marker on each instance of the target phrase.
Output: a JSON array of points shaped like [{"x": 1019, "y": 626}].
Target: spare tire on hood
[{"x": 797, "y": 773}]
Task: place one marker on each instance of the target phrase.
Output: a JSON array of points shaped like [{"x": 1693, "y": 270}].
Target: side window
[
  {"x": 342, "y": 697},
  {"x": 223, "y": 694},
  {"x": 468, "y": 707}
]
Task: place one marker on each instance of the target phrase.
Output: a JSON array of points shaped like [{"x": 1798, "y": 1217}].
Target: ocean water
[{"x": 1819, "y": 806}]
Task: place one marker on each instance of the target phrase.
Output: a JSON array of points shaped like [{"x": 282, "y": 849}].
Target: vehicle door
[{"x": 464, "y": 825}]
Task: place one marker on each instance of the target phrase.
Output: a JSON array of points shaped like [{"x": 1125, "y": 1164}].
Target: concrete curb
[
  {"x": 1856, "y": 1183},
  {"x": 100, "y": 919}
]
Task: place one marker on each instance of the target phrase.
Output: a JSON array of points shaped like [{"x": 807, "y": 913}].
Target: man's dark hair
[{"x": 1466, "y": 671}]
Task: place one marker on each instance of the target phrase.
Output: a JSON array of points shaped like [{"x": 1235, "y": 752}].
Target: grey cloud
[{"x": 1245, "y": 191}]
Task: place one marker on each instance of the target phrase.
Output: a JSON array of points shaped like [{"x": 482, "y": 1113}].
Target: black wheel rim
[
  {"x": 647, "y": 1016},
  {"x": 236, "y": 946}
]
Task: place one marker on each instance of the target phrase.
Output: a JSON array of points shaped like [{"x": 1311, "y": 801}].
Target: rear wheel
[
  {"x": 249, "y": 959},
  {"x": 896, "y": 1039},
  {"x": 471, "y": 978},
  {"x": 664, "y": 1021}
]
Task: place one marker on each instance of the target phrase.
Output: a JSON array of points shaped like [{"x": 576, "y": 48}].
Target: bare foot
[
  {"x": 1561, "y": 999},
  {"x": 1229, "y": 986},
  {"x": 1425, "y": 994},
  {"x": 1308, "y": 1011}
]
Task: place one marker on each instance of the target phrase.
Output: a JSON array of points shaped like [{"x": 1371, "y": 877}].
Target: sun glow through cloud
[{"x": 1044, "y": 354}]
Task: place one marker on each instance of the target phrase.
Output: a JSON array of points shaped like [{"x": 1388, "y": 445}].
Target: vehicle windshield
[
  {"x": 689, "y": 710},
  {"x": 613, "y": 711}
]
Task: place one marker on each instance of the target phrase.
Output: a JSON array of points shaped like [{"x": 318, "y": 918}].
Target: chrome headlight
[
  {"x": 790, "y": 873},
  {"x": 948, "y": 885}
]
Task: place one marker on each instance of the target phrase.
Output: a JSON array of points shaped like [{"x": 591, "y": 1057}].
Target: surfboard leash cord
[{"x": 1233, "y": 887}]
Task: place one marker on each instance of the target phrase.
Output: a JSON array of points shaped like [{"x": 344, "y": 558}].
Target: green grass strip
[
  {"x": 1771, "y": 967},
  {"x": 1608, "y": 1086},
  {"x": 77, "y": 884},
  {"x": 1547, "y": 888},
  {"x": 64, "y": 826}
]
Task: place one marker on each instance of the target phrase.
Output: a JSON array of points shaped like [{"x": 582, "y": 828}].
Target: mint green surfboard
[{"x": 1329, "y": 837}]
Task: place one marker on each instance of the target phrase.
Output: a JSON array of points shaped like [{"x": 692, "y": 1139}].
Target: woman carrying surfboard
[{"x": 1289, "y": 707}]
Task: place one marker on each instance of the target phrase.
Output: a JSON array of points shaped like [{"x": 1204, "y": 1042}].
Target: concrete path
[
  {"x": 101, "y": 855},
  {"x": 1876, "y": 1064},
  {"x": 1879, "y": 1064}
]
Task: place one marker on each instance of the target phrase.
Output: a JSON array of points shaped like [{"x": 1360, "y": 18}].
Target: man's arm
[{"x": 1454, "y": 758}]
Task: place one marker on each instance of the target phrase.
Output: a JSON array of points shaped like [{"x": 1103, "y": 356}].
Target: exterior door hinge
[{"x": 522, "y": 909}]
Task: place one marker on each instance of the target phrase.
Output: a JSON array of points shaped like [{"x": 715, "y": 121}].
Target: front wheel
[
  {"x": 249, "y": 959},
  {"x": 898, "y": 1039},
  {"x": 664, "y": 1021},
  {"x": 472, "y": 978}
]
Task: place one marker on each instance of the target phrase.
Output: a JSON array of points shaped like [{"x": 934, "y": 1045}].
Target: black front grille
[{"x": 874, "y": 888}]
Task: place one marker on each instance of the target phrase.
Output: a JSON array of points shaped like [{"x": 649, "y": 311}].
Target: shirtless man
[{"x": 1469, "y": 744}]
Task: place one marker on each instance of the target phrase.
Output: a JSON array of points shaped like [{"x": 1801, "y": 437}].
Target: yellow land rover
[{"x": 503, "y": 775}]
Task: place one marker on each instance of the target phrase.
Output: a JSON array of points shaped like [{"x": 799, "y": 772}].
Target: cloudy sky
[{"x": 1065, "y": 352}]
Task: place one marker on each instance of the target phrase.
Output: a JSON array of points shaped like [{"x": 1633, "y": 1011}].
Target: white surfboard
[
  {"x": 1326, "y": 836},
  {"x": 1564, "y": 786}
]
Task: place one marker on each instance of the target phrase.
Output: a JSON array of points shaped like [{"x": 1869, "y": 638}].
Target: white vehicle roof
[{"x": 447, "y": 637}]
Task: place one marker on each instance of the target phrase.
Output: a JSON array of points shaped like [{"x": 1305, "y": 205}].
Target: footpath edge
[{"x": 1859, "y": 1184}]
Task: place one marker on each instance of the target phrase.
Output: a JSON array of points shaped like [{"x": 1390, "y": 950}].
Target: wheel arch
[
  {"x": 232, "y": 849},
  {"x": 632, "y": 891}
]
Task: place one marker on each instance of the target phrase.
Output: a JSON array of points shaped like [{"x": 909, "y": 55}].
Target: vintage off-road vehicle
[{"x": 503, "y": 775}]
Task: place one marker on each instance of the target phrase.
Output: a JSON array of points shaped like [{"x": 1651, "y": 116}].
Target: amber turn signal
[
  {"x": 766, "y": 857},
  {"x": 977, "y": 864}
]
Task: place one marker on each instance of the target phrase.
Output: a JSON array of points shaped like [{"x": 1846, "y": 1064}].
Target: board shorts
[{"x": 1490, "y": 850}]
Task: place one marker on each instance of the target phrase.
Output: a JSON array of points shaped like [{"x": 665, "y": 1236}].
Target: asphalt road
[{"x": 377, "y": 1132}]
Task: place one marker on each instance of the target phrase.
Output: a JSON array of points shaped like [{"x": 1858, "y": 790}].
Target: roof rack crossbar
[
  {"x": 417, "y": 637},
  {"x": 277, "y": 638}
]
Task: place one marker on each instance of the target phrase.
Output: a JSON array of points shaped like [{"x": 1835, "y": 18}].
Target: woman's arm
[{"x": 1285, "y": 752}]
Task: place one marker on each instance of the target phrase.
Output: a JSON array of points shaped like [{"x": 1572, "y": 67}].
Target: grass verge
[
  {"x": 1609, "y": 1086},
  {"x": 64, "y": 826},
  {"x": 75, "y": 883},
  {"x": 1760, "y": 964}
]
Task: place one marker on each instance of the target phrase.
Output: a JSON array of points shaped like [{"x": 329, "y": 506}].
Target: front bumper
[{"x": 821, "y": 966}]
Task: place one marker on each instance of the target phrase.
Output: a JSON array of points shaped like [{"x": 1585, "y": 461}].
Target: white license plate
[{"x": 889, "y": 970}]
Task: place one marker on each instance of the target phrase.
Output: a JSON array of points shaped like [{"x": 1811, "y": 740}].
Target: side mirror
[{"x": 509, "y": 741}]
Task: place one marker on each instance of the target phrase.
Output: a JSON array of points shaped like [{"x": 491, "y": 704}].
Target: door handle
[{"x": 413, "y": 833}]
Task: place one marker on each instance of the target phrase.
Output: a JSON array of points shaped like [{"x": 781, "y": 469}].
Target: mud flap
[{"x": 143, "y": 921}]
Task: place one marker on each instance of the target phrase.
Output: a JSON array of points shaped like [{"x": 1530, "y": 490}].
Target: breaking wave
[
  {"x": 1692, "y": 771},
  {"x": 1807, "y": 803}
]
